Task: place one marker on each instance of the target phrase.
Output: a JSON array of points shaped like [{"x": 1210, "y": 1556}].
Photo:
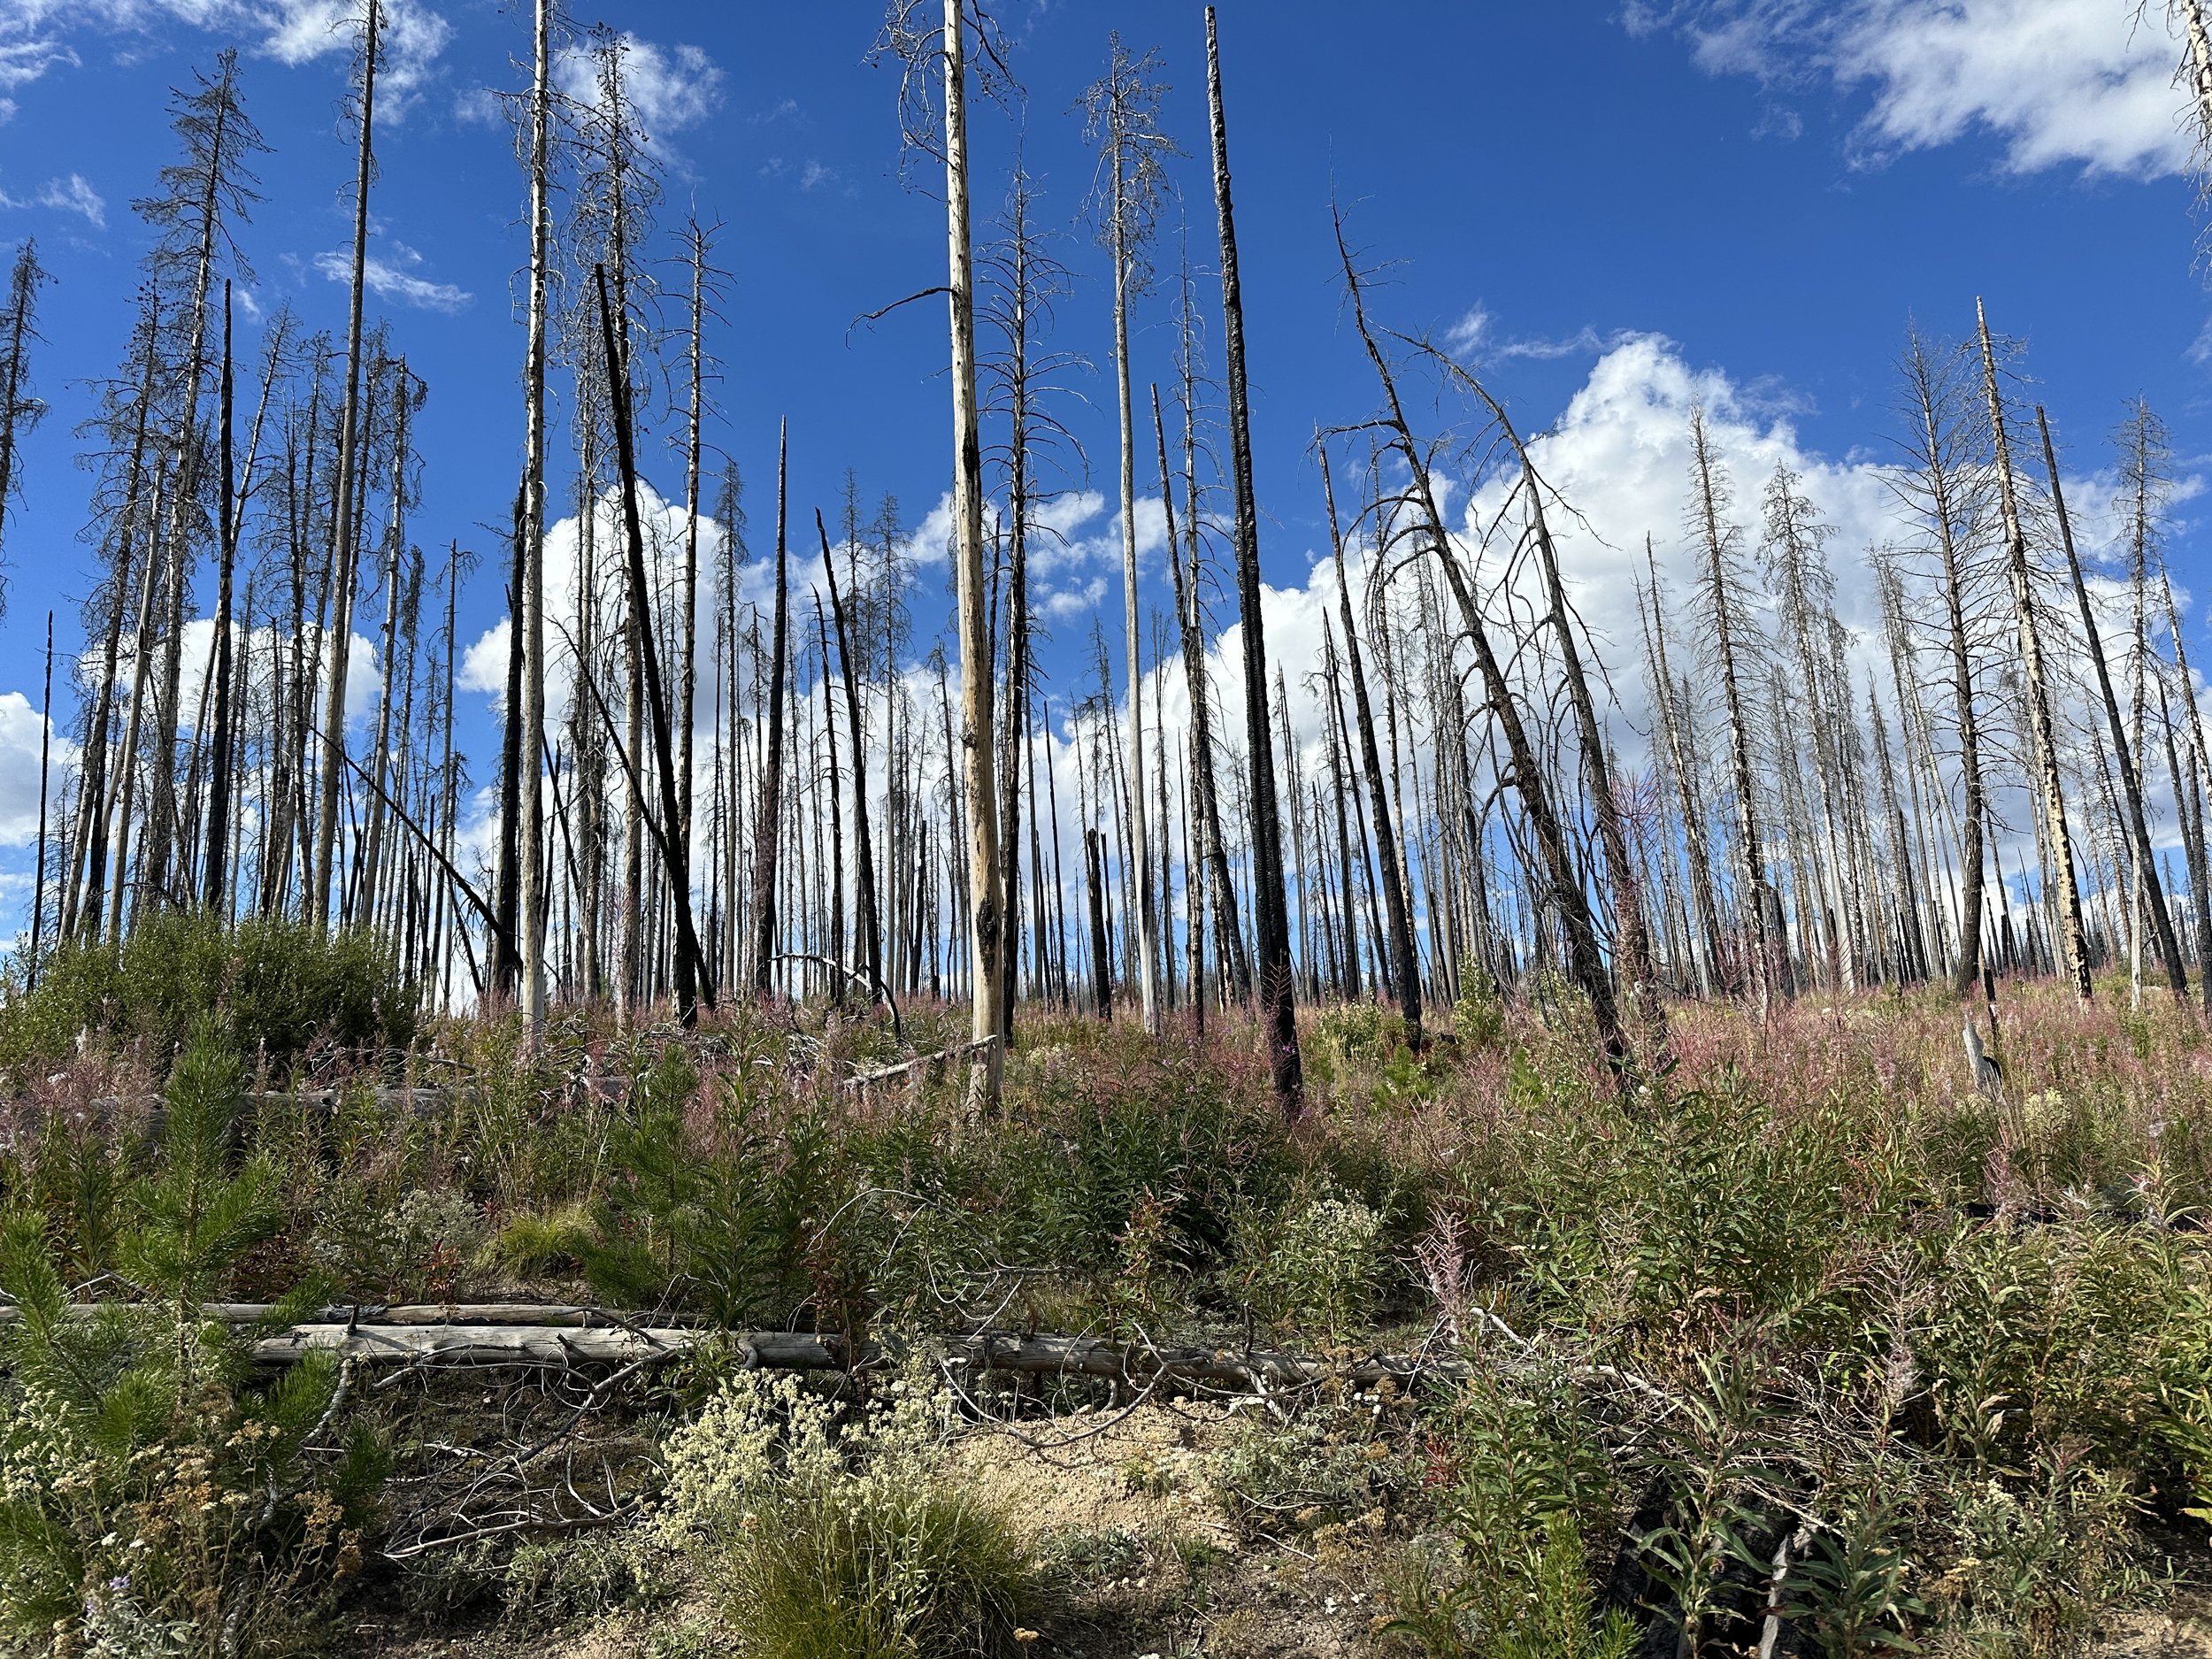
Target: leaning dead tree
[
  {"x": 1568, "y": 899},
  {"x": 2043, "y": 743},
  {"x": 1623, "y": 884}
]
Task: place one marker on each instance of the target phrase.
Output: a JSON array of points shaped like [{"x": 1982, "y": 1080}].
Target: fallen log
[
  {"x": 563, "y": 1343},
  {"x": 919, "y": 1066},
  {"x": 559, "y": 1333},
  {"x": 478, "y": 1345}
]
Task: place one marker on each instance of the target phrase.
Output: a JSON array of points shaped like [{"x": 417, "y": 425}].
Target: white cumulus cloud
[
  {"x": 668, "y": 87},
  {"x": 33, "y": 32},
  {"x": 21, "y": 730},
  {"x": 2083, "y": 83}
]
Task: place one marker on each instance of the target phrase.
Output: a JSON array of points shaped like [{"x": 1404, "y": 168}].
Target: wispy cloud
[
  {"x": 68, "y": 194},
  {"x": 394, "y": 279},
  {"x": 73, "y": 194},
  {"x": 1463, "y": 336},
  {"x": 1475, "y": 337},
  {"x": 25, "y": 58}
]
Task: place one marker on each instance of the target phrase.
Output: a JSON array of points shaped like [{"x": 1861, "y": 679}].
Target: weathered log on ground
[
  {"x": 491, "y": 1345},
  {"x": 562, "y": 1334},
  {"x": 563, "y": 1342}
]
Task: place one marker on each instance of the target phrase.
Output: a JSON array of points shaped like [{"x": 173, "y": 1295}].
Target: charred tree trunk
[
  {"x": 1272, "y": 966},
  {"x": 1404, "y": 958},
  {"x": 768, "y": 811}
]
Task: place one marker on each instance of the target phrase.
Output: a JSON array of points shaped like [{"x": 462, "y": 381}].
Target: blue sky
[{"x": 1614, "y": 207}]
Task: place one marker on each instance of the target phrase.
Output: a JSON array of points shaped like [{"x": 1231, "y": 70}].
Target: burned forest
[{"x": 921, "y": 862}]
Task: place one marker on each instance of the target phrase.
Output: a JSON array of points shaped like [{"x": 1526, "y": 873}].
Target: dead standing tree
[
  {"x": 1405, "y": 959},
  {"x": 1189, "y": 584},
  {"x": 1123, "y": 112},
  {"x": 2043, "y": 742},
  {"x": 344, "y": 527},
  {"x": 1735, "y": 645},
  {"x": 942, "y": 131},
  {"x": 1941, "y": 487},
  {"x": 2145, "y": 461},
  {"x": 768, "y": 816},
  {"x": 1272, "y": 966},
  {"x": 202, "y": 197},
  {"x": 529, "y": 549},
  {"x": 692, "y": 978},
  {"x": 1025, "y": 282},
  {"x": 19, "y": 411}
]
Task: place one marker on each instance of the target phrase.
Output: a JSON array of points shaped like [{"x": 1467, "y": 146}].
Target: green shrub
[
  {"x": 274, "y": 989},
  {"x": 837, "y": 1534},
  {"x": 535, "y": 1244},
  {"x": 1536, "y": 1603},
  {"x": 1479, "y": 1016},
  {"x": 1359, "y": 1032},
  {"x": 1523, "y": 1482},
  {"x": 1612, "y": 1215},
  {"x": 1332, "y": 1463},
  {"x": 147, "y": 1494},
  {"x": 554, "y": 1581},
  {"x": 411, "y": 1251},
  {"x": 2036, "y": 1563},
  {"x": 1181, "y": 1126}
]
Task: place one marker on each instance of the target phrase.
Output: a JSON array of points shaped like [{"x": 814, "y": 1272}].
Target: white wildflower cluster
[
  {"x": 1320, "y": 1265},
  {"x": 38, "y": 1453},
  {"x": 763, "y": 1440}
]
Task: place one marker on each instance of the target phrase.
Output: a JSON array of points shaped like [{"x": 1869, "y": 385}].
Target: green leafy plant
[
  {"x": 1319, "y": 1266},
  {"x": 1853, "y": 1587},
  {"x": 1520, "y": 1478}
]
